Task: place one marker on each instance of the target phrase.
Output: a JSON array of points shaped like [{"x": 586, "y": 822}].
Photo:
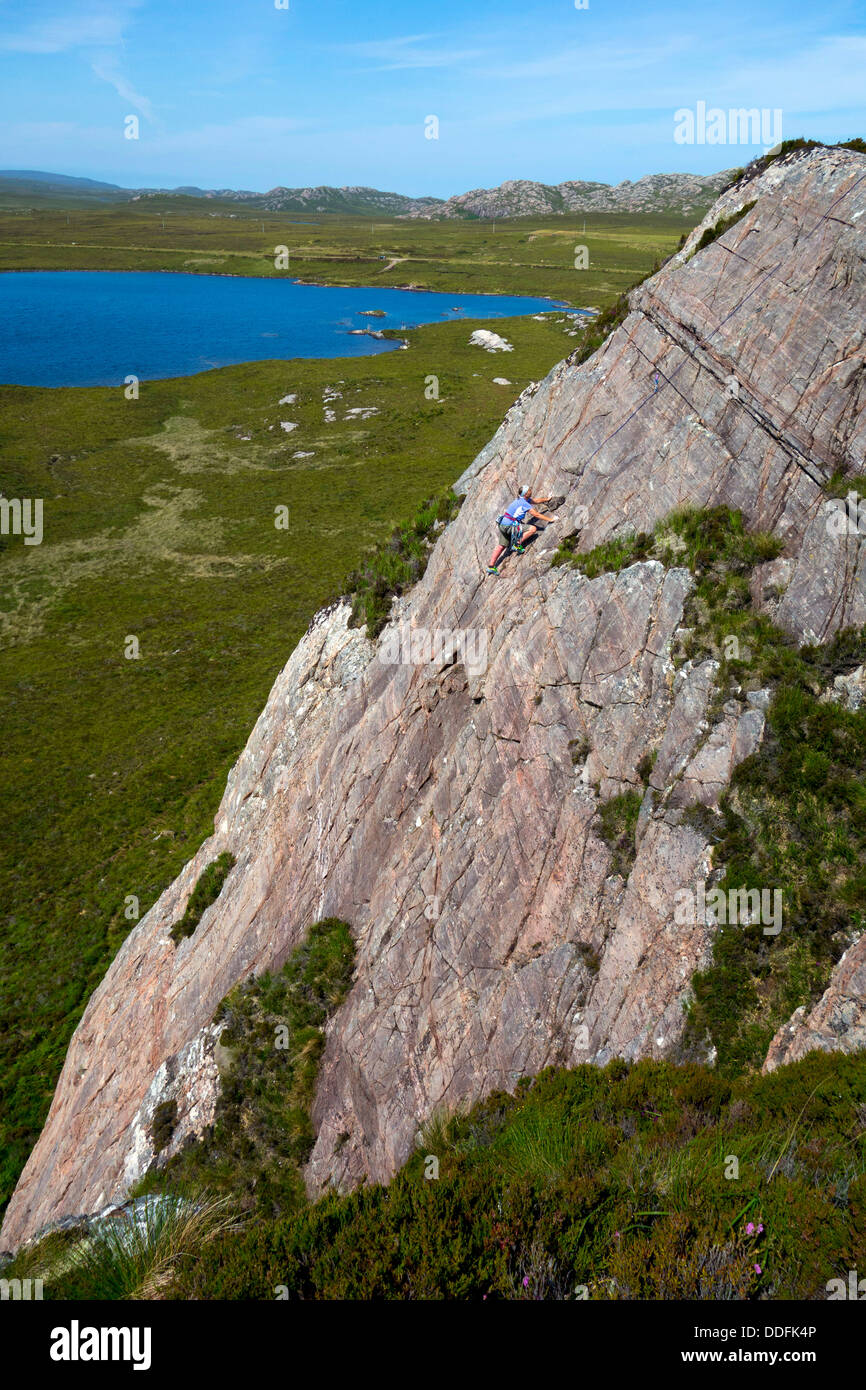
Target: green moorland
[
  {"x": 524, "y": 256},
  {"x": 617, "y": 1180}
]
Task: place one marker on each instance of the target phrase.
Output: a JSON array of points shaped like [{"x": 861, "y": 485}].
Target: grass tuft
[
  {"x": 618, "y": 818},
  {"x": 132, "y": 1255},
  {"x": 394, "y": 567},
  {"x": 724, "y": 224},
  {"x": 203, "y": 896}
]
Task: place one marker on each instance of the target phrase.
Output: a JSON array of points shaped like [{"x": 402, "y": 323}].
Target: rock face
[{"x": 440, "y": 788}]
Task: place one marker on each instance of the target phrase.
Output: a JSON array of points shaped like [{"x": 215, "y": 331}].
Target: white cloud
[
  {"x": 106, "y": 67},
  {"x": 97, "y": 27},
  {"x": 597, "y": 62},
  {"x": 396, "y": 54},
  {"x": 61, "y": 27}
]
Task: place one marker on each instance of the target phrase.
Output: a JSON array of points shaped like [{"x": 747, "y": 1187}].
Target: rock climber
[{"x": 513, "y": 526}]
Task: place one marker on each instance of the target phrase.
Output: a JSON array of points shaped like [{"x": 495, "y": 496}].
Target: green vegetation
[
  {"x": 519, "y": 256},
  {"x": 712, "y": 543},
  {"x": 618, "y": 818},
  {"x": 736, "y": 175},
  {"x": 840, "y": 483},
  {"x": 646, "y": 765},
  {"x": 794, "y": 817},
  {"x": 205, "y": 893},
  {"x": 394, "y": 567},
  {"x": 164, "y": 1121},
  {"x": 272, "y": 1039},
  {"x": 618, "y": 1180},
  {"x": 787, "y": 147},
  {"x": 578, "y": 748},
  {"x": 608, "y": 558},
  {"x": 724, "y": 224},
  {"x": 129, "y": 1256}
]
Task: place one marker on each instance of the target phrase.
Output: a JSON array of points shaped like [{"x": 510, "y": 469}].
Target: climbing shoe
[{"x": 492, "y": 569}]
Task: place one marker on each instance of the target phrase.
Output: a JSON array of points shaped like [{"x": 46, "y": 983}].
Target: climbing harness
[{"x": 511, "y": 528}]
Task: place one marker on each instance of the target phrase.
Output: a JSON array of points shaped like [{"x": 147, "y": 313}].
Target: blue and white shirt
[{"x": 518, "y": 508}]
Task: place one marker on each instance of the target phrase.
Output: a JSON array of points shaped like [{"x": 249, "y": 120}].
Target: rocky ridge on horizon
[{"x": 681, "y": 194}]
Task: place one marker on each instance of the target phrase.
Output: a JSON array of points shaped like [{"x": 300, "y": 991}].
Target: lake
[{"x": 94, "y": 328}]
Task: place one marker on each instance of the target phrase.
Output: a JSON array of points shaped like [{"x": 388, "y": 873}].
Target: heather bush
[{"x": 613, "y": 1183}]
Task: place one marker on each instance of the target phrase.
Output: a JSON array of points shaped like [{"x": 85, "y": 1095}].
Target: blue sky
[{"x": 243, "y": 94}]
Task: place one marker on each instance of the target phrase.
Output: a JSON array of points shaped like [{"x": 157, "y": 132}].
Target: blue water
[{"x": 94, "y": 328}]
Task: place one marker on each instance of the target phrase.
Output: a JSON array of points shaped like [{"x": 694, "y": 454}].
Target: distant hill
[
  {"x": 36, "y": 186},
  {"x": 354, "y": 199},
  {"x": 683, "y": 194},
  {"x": 32, "y": 182},
  {"x": 687, "y": 194}
]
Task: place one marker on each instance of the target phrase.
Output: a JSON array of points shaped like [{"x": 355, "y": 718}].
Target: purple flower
[
  {"x": 757, "y": 1269},
  {"x": 526, "y": 1281},
  {"x": 750, "y": 1229},
  {"x": 760, "y": 1229}
]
